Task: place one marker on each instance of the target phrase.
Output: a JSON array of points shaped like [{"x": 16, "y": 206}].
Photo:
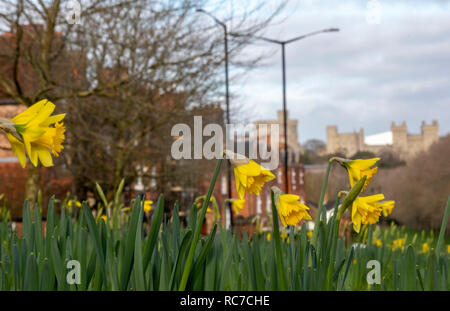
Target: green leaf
[
  {"x": 440, "y": 241},
  {"x": 276, "y": 237},
  {"x": 154, "y": 231},
  {"x": 181, "y": 254},
  {"x": 96, "y": 239},
  {"x": 347, "y": 267},
  {"x": 138, "y": 267},
  {"x": 127, "y": 259}
]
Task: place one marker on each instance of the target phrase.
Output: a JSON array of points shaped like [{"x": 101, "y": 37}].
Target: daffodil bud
[
  {"x": 276, "y": 194},
  {"x": 236, "y": 159},
  {"x": 351, "y": 196},
  {"x": 9, "y": 127}
]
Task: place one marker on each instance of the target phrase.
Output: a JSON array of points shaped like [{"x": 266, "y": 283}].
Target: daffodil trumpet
[
  {"x": 35, "y": 132},
  {"x": 290, "y": 209},
  {"x": 250, "y": 176}
]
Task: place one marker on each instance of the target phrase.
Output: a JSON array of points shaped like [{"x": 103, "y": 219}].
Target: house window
[
  {"x": 268, "y": 204},
  {"x": 258, "y": 205},
  {"x": 153, "y": 180},
  {"x": 301, "y": 176},
  {"x": 224, "y": 185},
  {"x": 227, "y": 218}
]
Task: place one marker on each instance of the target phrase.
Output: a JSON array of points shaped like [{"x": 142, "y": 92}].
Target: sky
[{"x": 389, "y": 62}]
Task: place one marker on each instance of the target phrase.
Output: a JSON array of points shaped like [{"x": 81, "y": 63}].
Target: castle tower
[
  {"x": 332, "y": 139},
  {"x": 361, "y": 139},
  {"x": 291, "y": 130},
  {"x": 399, "y": 138},
  {"x": 430, "y": 133}
]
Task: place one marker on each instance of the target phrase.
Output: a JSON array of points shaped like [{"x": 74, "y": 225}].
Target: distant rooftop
[{"x": 384, "y": 138}]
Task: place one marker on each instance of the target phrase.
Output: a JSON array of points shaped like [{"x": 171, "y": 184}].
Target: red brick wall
[
  {"x": 8, "y": 111},
  {"x": 12, "y": 184}
]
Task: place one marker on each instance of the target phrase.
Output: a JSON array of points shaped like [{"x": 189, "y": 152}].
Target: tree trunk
[{"x": 32, "y": 185}]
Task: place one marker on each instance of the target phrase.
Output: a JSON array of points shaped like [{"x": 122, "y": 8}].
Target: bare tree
[{"x": 126, "y": 70}]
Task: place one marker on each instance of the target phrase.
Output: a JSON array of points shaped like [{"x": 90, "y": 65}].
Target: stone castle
[{"x": 397, "y": 141}]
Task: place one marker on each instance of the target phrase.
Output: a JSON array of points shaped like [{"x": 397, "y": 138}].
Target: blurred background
[{"x": 125, "y": 72}]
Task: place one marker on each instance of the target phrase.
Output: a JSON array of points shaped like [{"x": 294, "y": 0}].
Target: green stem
[
  {"x": 365, "y": 230},
  {"x": 190, "y": 258},
  {"x": 320, "y": 207},
  {"x": 443, "y": 228},
  {"x": 276, "y": 237},
  {"x": 334, "y": 238}
]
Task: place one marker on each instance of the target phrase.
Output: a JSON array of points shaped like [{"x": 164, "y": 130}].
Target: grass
[
  {"x": 127, "y": 258},
  {"x": 122, "y": 253}
]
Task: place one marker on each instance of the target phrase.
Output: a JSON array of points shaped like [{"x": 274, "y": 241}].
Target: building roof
[{"x": 384, "y": 138}]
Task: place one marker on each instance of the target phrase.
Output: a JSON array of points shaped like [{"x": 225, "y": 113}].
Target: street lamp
[
  {"x": 283, "y": 62},
  {"x": 227, "y": 101}
]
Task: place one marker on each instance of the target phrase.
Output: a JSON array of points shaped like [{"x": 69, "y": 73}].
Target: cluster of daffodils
[
  {"x": 398, "y": 244},
  {"x": 250, "y": 178},
  {"x": 365, "y": 210},
  {"x": 36, "y": 133},
  {"x": 148, "y": 206},
  {"x": 198, "y": 203}
]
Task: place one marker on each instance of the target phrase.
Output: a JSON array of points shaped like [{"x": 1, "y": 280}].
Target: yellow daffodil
[
  {"x": 378, "y": 243},
  {"x": 309, "y": 234},
  {"x": 354, "y": 261},
  {"x": 366, "y": 211},
  {"x": 148, "y": 206},
  {"x": 104, "y": 217},
  {"x": 291, "y": 211},
  {"x": 77, "y": 203},
  {"x": 448, "y": 249},
  {"x": 199, "y": 206},
  {"x": 249, "y": 175},
  {"x": 358, "y": 168},
  {"x": 398, "y": 244},
  {"x": 38, "y": 133},
  {"x": 284, "y": 236},
  {"x": 268, "y": 236},
  {"x": 386, "y": 207},
  {"x": 237, "y": 205},
  {"x": 425, "y": 248}
]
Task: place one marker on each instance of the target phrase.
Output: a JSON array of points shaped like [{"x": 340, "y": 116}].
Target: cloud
[{"x": 365, "y": 76}]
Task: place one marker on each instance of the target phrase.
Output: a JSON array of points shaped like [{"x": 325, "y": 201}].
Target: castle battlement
[{"x": 397, "y": 141}]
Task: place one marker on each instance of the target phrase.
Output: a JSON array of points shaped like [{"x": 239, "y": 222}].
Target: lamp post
[
  {"x": 283, "y": 69},
  {"x": 227, "y": 101}
]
